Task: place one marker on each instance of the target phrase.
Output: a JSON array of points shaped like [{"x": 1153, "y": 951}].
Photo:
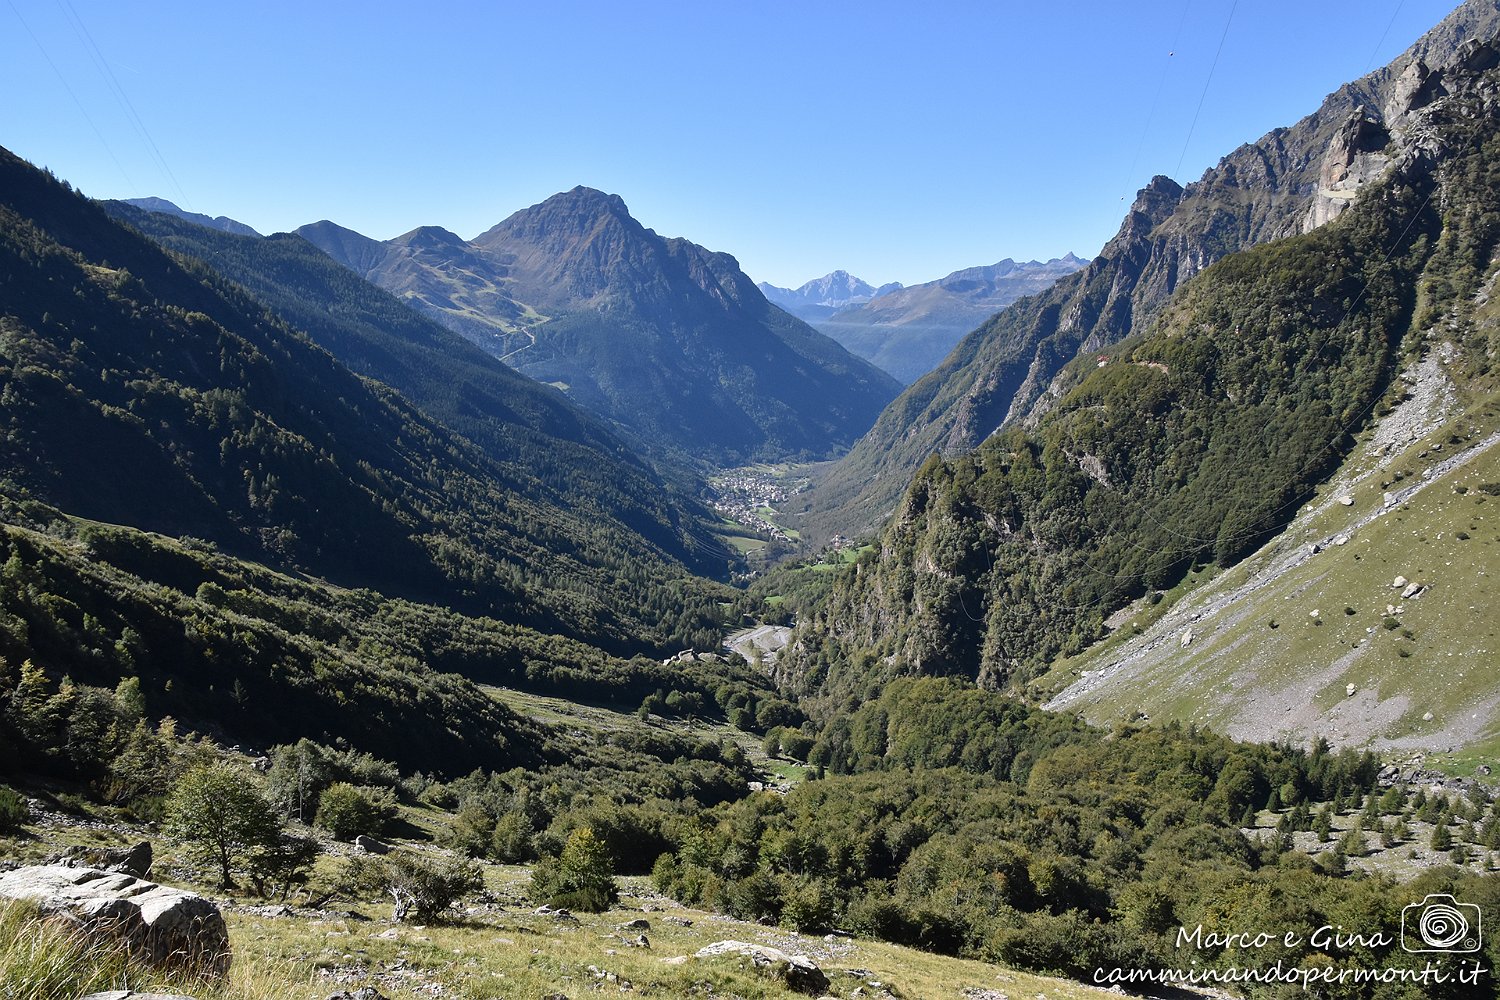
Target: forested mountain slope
[
  {"x": 141, "y": 392},
  {"x": 670, "y": 341},
  {"x": 1287, "y": 182},
  {"x": 541, "y": 441},
  {"x": 1193, "y": 442}
]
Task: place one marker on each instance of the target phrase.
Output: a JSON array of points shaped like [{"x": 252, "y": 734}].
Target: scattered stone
[
  {"x": 1427, "y": 717},
  {"x": 1314, "y": 549},
  {"x": 363, "y": 993},
  {"x": 371, "y": 846},
  {"x": 1349, "y": 690},
  {"x": 640, "y": 941},
  {"x": 798, "y": 972},
  {"x": 132, "y": 995},
  {"x": 1187, "y": 638},
  {"x": 1314, "y": 613},
  {"x": 1483, "y": 770},
  {"x": 637, "y": 924},
  {"x": 1346, "y": 500},
  {"x": 1399, "y": 582},
  {"x": 390, "y": 934},
  {"x": 1341, "y": 539},
  {"x": 680, "y": 921},
  {"x": 1413, "y": 590},
  {"x": 162, "y": 926}
]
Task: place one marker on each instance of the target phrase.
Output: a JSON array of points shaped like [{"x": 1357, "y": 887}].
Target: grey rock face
[
  {"x": 799, "y": 972},
  {"x": 160, "y": 925}
]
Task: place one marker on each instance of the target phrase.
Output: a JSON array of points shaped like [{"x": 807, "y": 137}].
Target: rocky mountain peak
[
  {"x": 1158, "y": 199},
  {"x": 430, "y": 237},
  {"x": 568, "y": 216}
]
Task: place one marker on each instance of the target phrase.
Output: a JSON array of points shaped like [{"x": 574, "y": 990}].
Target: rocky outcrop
[
  {"x": 1356, "y": 156},
  {"x": 134, "y": 861},
  {"x": 159, "y": 925},
  {"x": 370, "y": 845},
  {"x": 798, "y": 972}
]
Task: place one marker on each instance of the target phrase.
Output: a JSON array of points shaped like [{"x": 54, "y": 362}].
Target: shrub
[
  {"x": 280, "y": 867},
  {"x": 346, "y": 811},
  {"x": 581, "y": 878},
  {"x": 12, "y": 808},
  {"x": 426, "y": 889}
]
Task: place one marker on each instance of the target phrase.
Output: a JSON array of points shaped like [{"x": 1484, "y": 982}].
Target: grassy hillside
[{"x": 1275, "y": 644}]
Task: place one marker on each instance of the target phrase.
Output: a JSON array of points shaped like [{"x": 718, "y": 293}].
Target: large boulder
[
  {"x": 160, "y": 925},
  {"x": 798, "y": 972},
  {"x": 126, "y": 860}
]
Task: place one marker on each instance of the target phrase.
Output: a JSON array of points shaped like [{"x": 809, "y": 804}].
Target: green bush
[
  {"x": 580, "y": 878},
  {"x": 426, "y": 889},
  {"x": 12, "y": 808},
  {"x": 347, "y": 811}
]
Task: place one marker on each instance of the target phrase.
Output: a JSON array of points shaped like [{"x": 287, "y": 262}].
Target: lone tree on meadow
[
  {"x": 581, "y": 878},
  {"x": 222, "y": 819}
]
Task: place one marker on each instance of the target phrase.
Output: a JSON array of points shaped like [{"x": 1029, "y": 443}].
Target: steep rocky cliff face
[{"x": 1289, "y": 181}]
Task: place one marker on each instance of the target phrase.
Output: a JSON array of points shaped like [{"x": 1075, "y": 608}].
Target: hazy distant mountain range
[
  {"x": 908, "y": 330},
  {"x": 822, "y": 297},
  {"x": 165, "y": 207},
  {"x": 669, "y": 340}
]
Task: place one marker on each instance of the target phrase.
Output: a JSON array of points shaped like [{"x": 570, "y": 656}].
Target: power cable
[
  {"x": 1204, "y": 96},
  {"x": 112, "y": 82},
  {"x": 81, "y": 109}
]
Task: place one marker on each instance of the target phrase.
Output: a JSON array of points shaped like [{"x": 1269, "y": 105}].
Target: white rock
[
  {"x": 1413, "y": 590},
  {"x": 1427, "y": 717},
  {"x": 1349, "y": 690},
  {"x": 1400, "y": 582},
  {"x": 1341, "y": 539},
  {"x": 1346, "y": 500},
  {"x": 798, "y": 971},
  {"x": 160, "y": 925},
  {"x": 1187, "y": 638}
]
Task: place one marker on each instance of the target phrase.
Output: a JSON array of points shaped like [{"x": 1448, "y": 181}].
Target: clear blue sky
[{"x": 895, "y": 141}]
